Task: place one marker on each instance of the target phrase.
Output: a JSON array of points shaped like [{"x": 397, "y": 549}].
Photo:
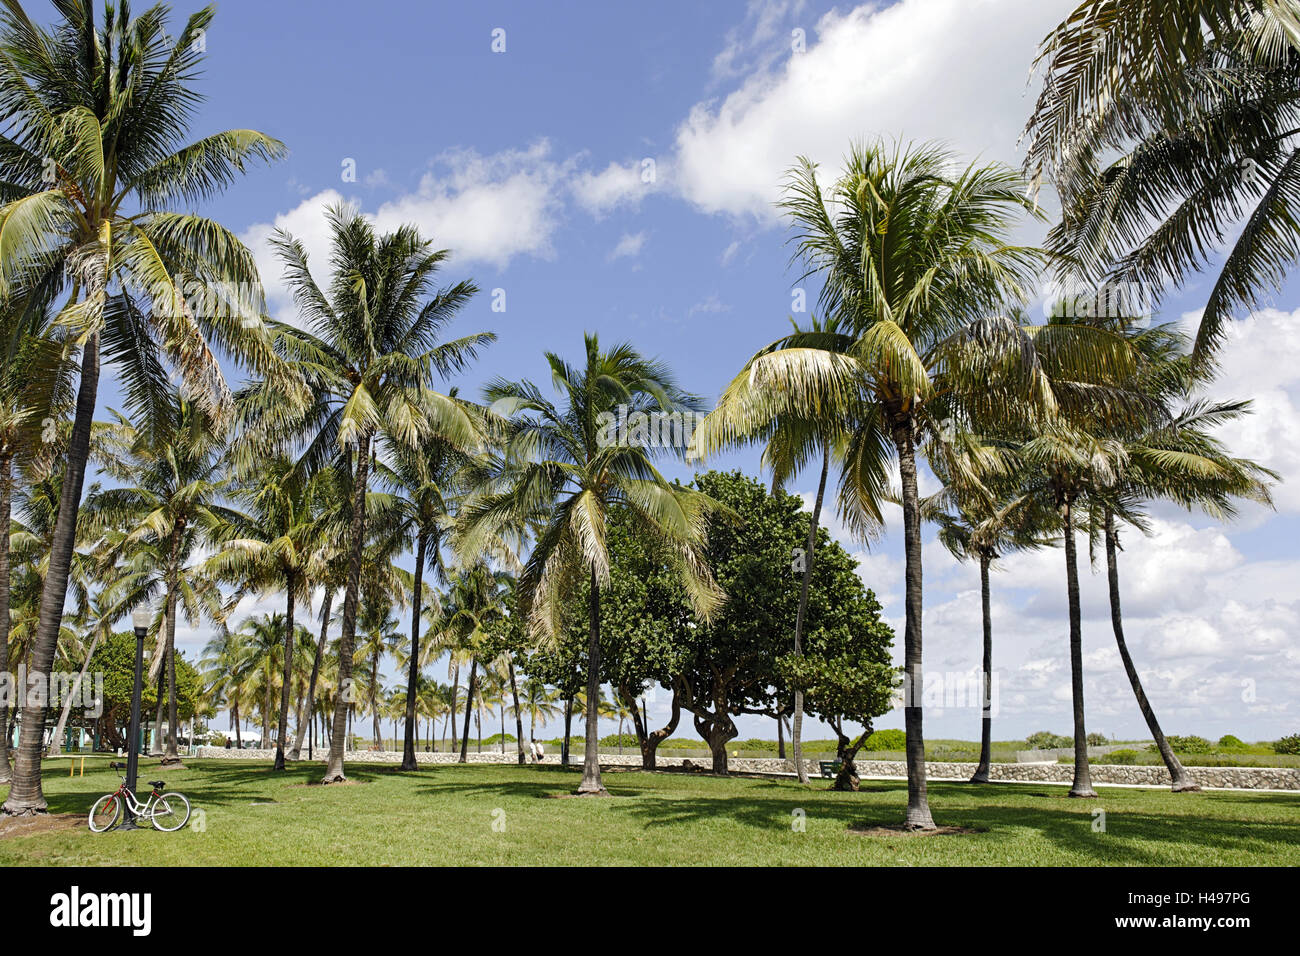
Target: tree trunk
[
  {"x": 327, "y": 601},
  {"x": 651, "y": 739},
  {"x": 1082, "y": 786},
  {"x": 6, "y": 508},
  {"x": 25, "y": 795},
  {"x": 1182, "y": 780},
  {"x": 717, "y": 737},
  {"x": 266, "y": 706},
  {"x": 375, "y": 728},
  {"x": 172, "y": 756},
  {"x": 470, "y": 690},
  {"x": 413, "y": 673},
  {"x": 283, "y": 728},
  {"x": 519, "y": 717},
  {"x": 455, "y": 692},
  {"x": 72, "y": 695},
  {"x": 847, "y": 778},
  {"x": 156, "y": 735},
  {"x": 234, "y": 712},
  {"x": 986, "y": 700},
  {"x": 591, "y": 783},
  {"x": 780, "y": 737},
  {"x": 568, "y": 727},
  {"x": 796, "y": 737},
  {"x": 918, "y": 806},
  {"x": 347, "y": 639}
]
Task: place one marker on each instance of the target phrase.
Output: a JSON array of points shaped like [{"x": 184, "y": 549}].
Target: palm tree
[
  {"x": 378, "y": 637},
  {"x": 492, "y": 696},
  {"x": 278, "y": 542},
  {"x": 985, "y": 526},
  {"x": 424, "y": 484},
  {"x": 99, "y": 624},
  {"x": 255, "y": 651},
  {"x": 519, "y": 716},
  {"x": 330, "y": 487},
  {"x": 623, "y": 711},
  {"x": 567, "y": 466},
  {"x": 1171, "y": 456},
  {"x": 475, "y": 604},
  {"x": 32, "y": 529},
  {"x": 106, "y": 109},
  {"x": 219, "y": 667},
  {"x": 1168, "y": 129},
  {"x": 539, "y": 702},
  {"x": 369, "y": 360},
  {"x": 913, "y": 258},
  {"x": 167, "y": 507},
  {"x": 35, "y": 385},
  {"x": 1067, "y": 461}
]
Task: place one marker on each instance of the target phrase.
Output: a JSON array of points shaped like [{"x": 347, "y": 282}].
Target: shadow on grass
[{"x": 1133, "y": 837}]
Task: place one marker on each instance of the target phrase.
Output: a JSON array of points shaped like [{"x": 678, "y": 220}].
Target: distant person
[
  {"x": 538, "y": 753},
  {"x": 227, "y": 743}
]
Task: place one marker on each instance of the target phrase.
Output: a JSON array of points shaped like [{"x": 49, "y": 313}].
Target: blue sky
[{"x": 529, "y": 164}]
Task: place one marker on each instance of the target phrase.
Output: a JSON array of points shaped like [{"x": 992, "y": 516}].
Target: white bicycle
[{"x": 166, "y": 811}]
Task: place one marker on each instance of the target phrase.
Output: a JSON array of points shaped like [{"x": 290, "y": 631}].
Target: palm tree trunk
[
  {"x": 455, "y": 692},
  {"x": 172, "y": 756},
  {"x": 375, "y": 729},
  {"x": 266, "y": 706},
  {"x": 568, "y": 728},
  {"x": 519, "y": 717},
  {"x": 25, "y": 795},
  {"x": 348, "y": 638},
  {"x": 1082, "y": 786},
  {"x": 283, "y": 729},
  {"x": 469, "y": 705},
  {"x": 234, "y": 712},
  {"x": 591, "y": 783},
  {"x": 156, "y": 741},
  {"x": 76, "y": 689},
  {"x": 796, "y": 736},
  {"x": 413, "y": 675},
  {"x": 986, "y": 722},
  {"x": 6, "y": 507},
  {"x": 918, "y": 805},
  {"x": 315, "y": 673},
  {"x": 1182, "y": 780}
]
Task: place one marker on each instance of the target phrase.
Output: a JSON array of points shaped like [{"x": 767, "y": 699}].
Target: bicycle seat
[
  {"x": 157, "y": 784},
  {"x": 114, "y": 765}
]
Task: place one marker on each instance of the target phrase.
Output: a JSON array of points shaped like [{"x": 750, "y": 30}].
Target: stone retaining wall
[{"x": 1236, "y": 778}]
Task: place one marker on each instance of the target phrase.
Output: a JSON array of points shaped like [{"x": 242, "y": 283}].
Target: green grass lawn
[{"x": 445, "y": 815}]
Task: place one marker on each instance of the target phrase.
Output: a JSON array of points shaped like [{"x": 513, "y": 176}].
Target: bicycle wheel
[
  {"x": 171, "y": 812},
  {"x": 106, "y": 813}
]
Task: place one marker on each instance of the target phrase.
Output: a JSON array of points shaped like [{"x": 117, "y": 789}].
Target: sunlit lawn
[{"x": 445, "y": 815}]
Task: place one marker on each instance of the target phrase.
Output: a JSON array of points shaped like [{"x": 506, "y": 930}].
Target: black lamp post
[{"x": 140, "y": 620}]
